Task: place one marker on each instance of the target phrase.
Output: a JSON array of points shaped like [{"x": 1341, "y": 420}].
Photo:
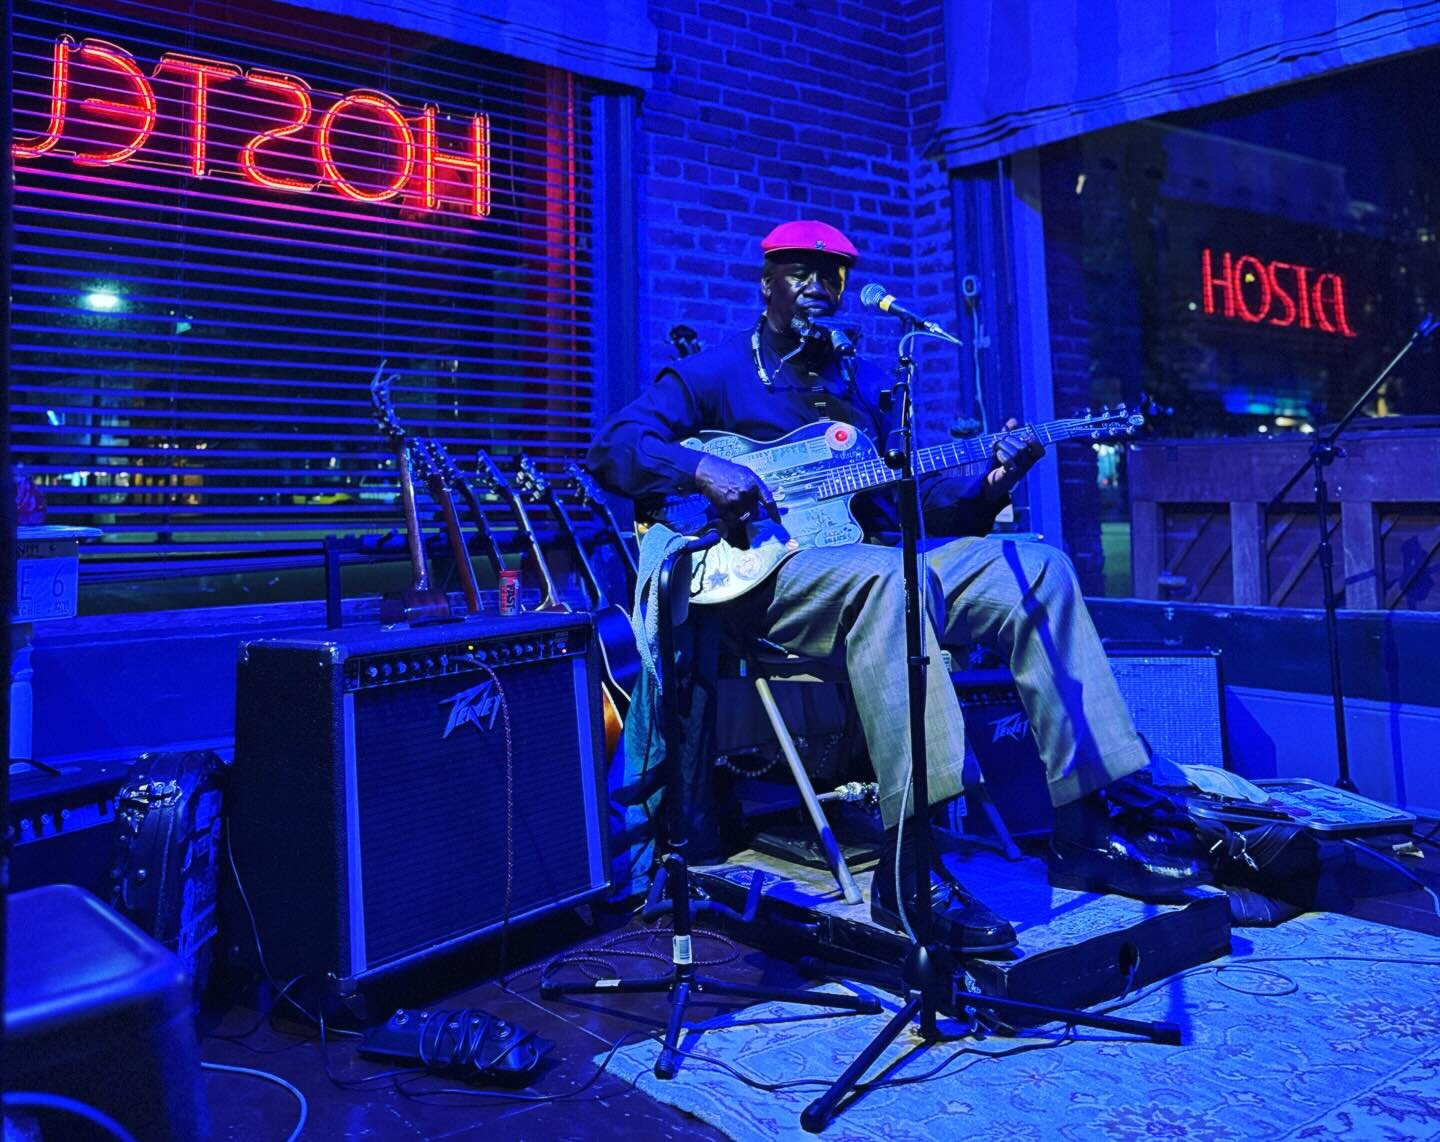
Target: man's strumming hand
[{"x": 737, "y": 494}]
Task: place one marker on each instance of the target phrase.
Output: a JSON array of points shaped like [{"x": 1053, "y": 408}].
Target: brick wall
[{"x": 768, "y": 110}]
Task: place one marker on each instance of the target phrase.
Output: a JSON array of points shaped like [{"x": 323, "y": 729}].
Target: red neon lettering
[
  {"x": 477, "y": 163},
  {"x": 298, "y": 91},
  {"x": 1241, "y": 278},
  {"x": 1288, "y": 302},
  {"x": 387, "y": 109},
  {"x": 203, "y": 70},
  {"x": 1255, "y": 291},
  {"x": 134, "y": 114},
  {"x": 1335, "y": 321},
  {"x": 1208, "y": 282},
  {"x": 1302, "y": 291},
  {"x": 141, "y": 117},
  {"x": 59, "y": 95}
]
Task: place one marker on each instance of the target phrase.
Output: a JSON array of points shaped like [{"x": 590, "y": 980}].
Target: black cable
[{"x": 281, "y": 992}]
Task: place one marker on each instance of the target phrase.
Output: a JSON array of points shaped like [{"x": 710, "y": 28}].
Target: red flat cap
[{"x": 809, "y": 235}]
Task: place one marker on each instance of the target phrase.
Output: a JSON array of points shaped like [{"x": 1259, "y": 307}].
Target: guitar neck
[
  {"x": 482, "y": 524},
  {"x": 414, "y": 538},
  {"x": 458, "y": 549},
  {"x": 552, "y": 601},
  {"x": 941, "y": 457},
  {"x": 627, "y": 550},
  {"x": 582, "y": 557}
]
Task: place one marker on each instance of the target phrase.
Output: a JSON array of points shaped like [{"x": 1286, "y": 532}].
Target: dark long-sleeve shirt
[{"x": 638, "y": 452}]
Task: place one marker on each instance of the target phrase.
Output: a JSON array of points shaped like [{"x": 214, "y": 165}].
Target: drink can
[{"x": 509, "y": 592}]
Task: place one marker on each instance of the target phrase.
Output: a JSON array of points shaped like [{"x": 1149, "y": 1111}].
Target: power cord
[
  {"x": 62, "y": 1104},
  {"x": 1401, "y": 869},
  {"x": 268, "y": 1077}
]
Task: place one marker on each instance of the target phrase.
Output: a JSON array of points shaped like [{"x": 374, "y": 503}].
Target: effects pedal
[{"x": 467, "y": 1043}]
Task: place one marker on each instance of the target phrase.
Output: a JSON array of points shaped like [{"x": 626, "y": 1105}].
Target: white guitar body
[{"x": 794, "y": 468}]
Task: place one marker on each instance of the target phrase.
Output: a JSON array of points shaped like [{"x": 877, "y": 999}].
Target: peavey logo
[
  {"x": 478, "y": 706},
  {"x": 1014, "y": 726}
]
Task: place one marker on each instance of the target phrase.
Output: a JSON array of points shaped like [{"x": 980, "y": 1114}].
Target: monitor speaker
[
  {"x": 1176, "y": 700},
  {"x": 397, "y": 793}
]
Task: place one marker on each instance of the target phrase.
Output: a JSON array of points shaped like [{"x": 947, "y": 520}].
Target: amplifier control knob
[
  {"x": 415, "y": 666},
  {"x": 371, "y": 672},
  {"x": 401, "y": 667},
  {"x": 429, "y": 664},
  {"x": 386, "y": 670}
]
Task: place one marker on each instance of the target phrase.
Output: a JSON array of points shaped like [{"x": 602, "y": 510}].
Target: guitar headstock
[
  {"x": 382, "y": 408},
  {"x": 490, "y": 476},
  {"x": 1107, "y": 424},
  {"x": 586, "y": 489},
  {"x": 442, "y": 462},
  {"x": 422, "y": 459},
  {"x": 531, "y": 481}
]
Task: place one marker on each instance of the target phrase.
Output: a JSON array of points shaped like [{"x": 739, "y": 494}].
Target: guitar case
[{"x": 167, "y": 857}]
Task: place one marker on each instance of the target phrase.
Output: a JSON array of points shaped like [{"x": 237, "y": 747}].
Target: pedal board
[{"x": 468, "y": 1043}]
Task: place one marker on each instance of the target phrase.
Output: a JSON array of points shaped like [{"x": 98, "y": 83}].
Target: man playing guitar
[{"x": 833, "y": 598}]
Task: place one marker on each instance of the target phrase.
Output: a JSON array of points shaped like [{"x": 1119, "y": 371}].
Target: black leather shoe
[
  {"x": 959, "y": 921},
  {"x": 1130, "y": 838}
]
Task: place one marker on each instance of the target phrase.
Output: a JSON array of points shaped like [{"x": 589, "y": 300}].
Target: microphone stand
[
  {"x": 1323, "y": 453},
  {"x": 684, "y": 983},
  {"x": 929, "y": 970}
]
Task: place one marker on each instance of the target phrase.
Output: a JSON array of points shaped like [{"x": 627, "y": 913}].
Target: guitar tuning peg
[
  {"x": 1104, "y": 410},
  {"x": 1120, "y": 408},
  {"x": 1085, "y": 411}
]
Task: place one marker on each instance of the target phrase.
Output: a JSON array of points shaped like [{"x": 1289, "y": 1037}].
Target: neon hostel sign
[
  {"x": 212, "y": 118},
  {"x": 1275, "y": 293}
]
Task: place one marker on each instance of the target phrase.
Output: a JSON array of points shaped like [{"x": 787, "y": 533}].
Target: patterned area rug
[{"x": 1324, "y": 1028}]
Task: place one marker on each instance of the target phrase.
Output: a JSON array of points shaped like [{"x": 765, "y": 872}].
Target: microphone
[
  {"x": 875, "y": 296},
  {"x": 840, "y": 334}
]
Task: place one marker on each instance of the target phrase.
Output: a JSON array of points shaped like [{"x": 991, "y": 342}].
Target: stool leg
[
  {"x": 833, "y": 855},
  {"x": 981, "y": 792}
]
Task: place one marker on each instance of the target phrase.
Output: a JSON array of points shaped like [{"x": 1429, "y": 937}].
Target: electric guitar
[
  {"x": 813, "y": 473},
  {"x": 489, "y": 474},
  {"x": 619, "y": 655},
  {"x": 589, "y": 496},
  {"x": 427, "y": 467},
  {"x": 420, "y": 601}
]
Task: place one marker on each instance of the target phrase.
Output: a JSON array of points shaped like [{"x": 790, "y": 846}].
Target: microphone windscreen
[{"x": 872, "y": 294}]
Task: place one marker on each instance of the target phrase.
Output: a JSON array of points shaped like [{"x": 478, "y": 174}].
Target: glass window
[{"x": 1250, "y": 267}]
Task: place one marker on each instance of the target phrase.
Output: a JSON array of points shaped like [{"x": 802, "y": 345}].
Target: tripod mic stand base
[{"x": 684, "y": 985}]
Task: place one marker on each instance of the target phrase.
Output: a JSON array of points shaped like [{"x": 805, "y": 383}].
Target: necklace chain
[{"x": 766, "y": 379}]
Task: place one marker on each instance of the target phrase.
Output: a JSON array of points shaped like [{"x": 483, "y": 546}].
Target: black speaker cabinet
[
  {"x": 1176, "y": 699},
  {"x": 376, "y": 788}
]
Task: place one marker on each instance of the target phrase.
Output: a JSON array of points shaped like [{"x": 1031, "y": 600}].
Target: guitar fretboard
[{"x": 868, "y": 474}]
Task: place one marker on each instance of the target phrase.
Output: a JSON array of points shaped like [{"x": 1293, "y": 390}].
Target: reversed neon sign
[
  {"x": 361, "y": 145},
  {"x": 1276, "y": 293}
]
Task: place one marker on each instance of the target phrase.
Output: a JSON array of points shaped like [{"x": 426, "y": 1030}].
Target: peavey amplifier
[{"x": 383, "y": 806}]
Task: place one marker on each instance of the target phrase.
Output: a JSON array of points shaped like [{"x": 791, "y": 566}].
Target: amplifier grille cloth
[
  {"x": 432, "y": 808},
  {"x": 1174, "y": 700}
]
